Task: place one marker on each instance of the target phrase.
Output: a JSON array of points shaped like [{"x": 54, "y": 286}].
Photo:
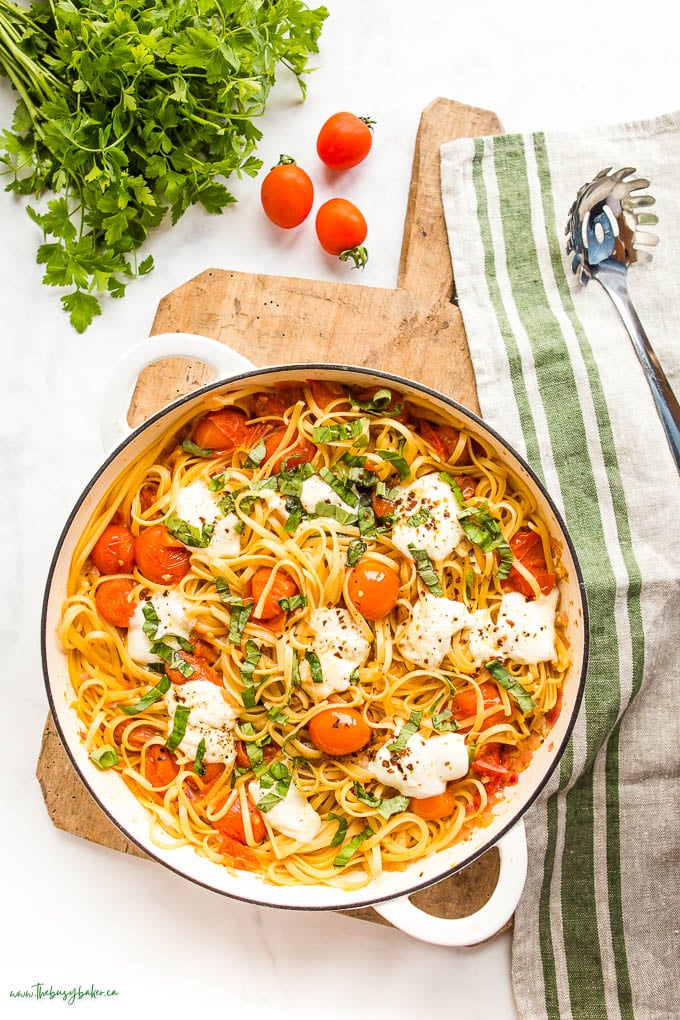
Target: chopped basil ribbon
[
  {"x": 296, "y": 514},
  {"x": 355, "y": 550},
  {"x": 418, "y": 518},
  {"x": 341, "y": 830},
  {"x": 276, "y": 781},
  {"x": 353, "y": 459},
  {"x": 384, "y": 492},
  {"x": 239, "y": 611},
  {"x": 199, "y": 764},
  {"x": 179, "y": 727},
  {"x": 172, "y": 658},
  {"x": 339, "y": 487},
  {"x": 335, "y": 513},
  {"x": 453, "y": 484},
  {"x": 104, "y": 757},
  {"x": 298, "y": 601},
  {"x": 151, "y": 620},
  {"x": 366, "y": 521},
  {"x": 469, "y": 578},
  {"x": 377, "y": 404},
  {"x": 289, "y": 481},
  {"x": 295, "y": 670},
  {"x": 265, "y": 483},
  {"x": 189, "y": 446},
  {"x": 253, "y": 656},
  {"x": 277, "y": 716},
  {"x": 150, "y": 698},
  {"x": 514, "y": 688},
  {"x": 385, "y": 807},
  {"x": 398, "y": 462},
  {"x": 254, "y": 748},
  {"x": 407, "y": 731},
  {"x": 257, "y": 454},
  {"x": 425, "y": 570},
  {"x": 442, "y": 721},
  {"x": 189, "y": 534},
  {"x": 351, "y": 848},
  {"x": 314, "y": 667},
  {"x": 217, "y": 482},
  {"x": 337, "y": 433},
  {"x": 484, "y": 530}
]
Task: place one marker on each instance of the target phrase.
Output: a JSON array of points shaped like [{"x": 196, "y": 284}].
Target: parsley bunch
[{"x": 132, "y": 110}]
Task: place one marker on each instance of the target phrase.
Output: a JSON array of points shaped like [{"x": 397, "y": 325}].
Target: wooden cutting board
[{"x": 415, "y": 330}]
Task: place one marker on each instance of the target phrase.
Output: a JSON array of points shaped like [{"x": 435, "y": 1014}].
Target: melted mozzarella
[
  {"x": 433, "y": 623},
  {"x": 172, "y": 611},
  {"x": 294, "y": 816},
  {"x": 210, "y": 719},
  {"x": 197, "y": 505},
  {"x": 341, "y": 648},
  {"x": 524, "y": 630},
  {"x": 315, "y": 490},
  {"x": 440, "y": 532},
  {"x": 275, "y": 502},
  {"x": 424, "y": 766}
]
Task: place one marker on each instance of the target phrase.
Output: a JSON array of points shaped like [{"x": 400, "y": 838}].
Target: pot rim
[{"x": 358, "y": 900}]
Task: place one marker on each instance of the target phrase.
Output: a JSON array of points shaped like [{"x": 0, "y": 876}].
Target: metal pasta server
[{"x": 605, "y": 239}]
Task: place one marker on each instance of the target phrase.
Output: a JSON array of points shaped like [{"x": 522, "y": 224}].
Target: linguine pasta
[{"x": 330, "y": 550}]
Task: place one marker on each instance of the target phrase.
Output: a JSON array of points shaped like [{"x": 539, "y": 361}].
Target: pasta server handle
[
  {"x": 477, "y": 927},
  {"x": 114, "y": 425}
]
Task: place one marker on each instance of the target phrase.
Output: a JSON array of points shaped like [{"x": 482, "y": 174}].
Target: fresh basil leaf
[
  {"x": 314, "y": 667},
  {"x": 339, "y": 487},
  {"x": 386, "y": 807},
  {"x": 366, "y": 522},
  {"x": 276, "y": 780},
  {"x": 254, "y": 748},
  {"x": 426, "y": 571},
  {"x": 295, "y": 670},
  {"x": 514, "y": 688},
  {"x": 341, "y": 830},
  {"x": 484, "y": 530},
  {"x": 196, "y": 451},
  {"x": 345, "y": 855},
  {"x": 442, "y": 721},
  {"x": 189, "y": 534},
  {"x": 378, "y": 404},
  {"x": 150, "y": 698},
  {"x": 335, "y": 513},
  {"x": 217, "y": 482},
  {"x": 257, "y": 454},
  {"x": 179, "y": 727},
  {"x": 172, "y": 658},
  {"x": 151, "y": 620},
  {"x": 406, "y": 732},
  {"x": 289, "y": 482},
  {"x": 419, "y": 517},
  {"x": 253, "y": 656},
  {"x": 398, "y": 462},
  {"x": 337, "y": 433},
  {"x": 199, "y": 764},
  {"x": 355, "y": 550},
  {"x": 277, "y": 716},
  {"x": 238, "y": 618},
  {"x": 453, "y": 484},
  {"x": 298, "y": 601},
  {"x": 105, "y": 757}
]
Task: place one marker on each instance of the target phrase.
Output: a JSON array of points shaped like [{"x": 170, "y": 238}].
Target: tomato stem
[{"x": 359, "y": 256}]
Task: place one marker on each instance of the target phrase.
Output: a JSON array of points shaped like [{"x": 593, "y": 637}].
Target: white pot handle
[
  {"x": 489, "y": 919},
  {"x": 116, "y": 400}
]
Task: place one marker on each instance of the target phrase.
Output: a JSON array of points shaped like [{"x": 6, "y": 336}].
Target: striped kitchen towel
[{"x": 596, "y": 934}]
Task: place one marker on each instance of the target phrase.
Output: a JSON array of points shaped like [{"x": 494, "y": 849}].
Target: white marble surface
[{"x": 78, "y": 914}]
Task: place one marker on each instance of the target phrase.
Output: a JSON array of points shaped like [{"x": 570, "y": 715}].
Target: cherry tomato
[
  {"x": 160, "y": 765},
  {"x": 339, "y": 731},
  {"x": 373, "y": 589},
  {"x": 489, "y": 764},
  {"x": 232, "y": 824},
  {"x": 527, "y": 547},
  {"x": 467, "y": 485},
  {"x": 201, "y": 671},
  {"x": 431, "y": 808},
  {"x": 443, "y": 438},
  {"x": 382, "y": 507},
  {"x": 269, "y": 752},
  {"x": 212, "y": 770},
  {"x": 301, "y": 451},
  {"x": 464, "y": 705},
  {"x": 114, "y": 550},
  {"x": 287, "y": 194},
  {"x": 341, "y": 229},
  {"x": 136, "y": 736},
  {"x": 344, "y": 140},
  {"x": 275, "y": 402},
  {"x": 325, "y": 392},
  {"x": 221, "y": 431},
  {"x": 238, "y": 856},
  {"x": 161, "y": 558},
  {"x": 112, "y": 599},
  {"x": 283, "y": 587}
]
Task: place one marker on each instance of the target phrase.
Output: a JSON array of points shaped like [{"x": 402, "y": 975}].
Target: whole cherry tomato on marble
[
  {"x": 287, "y": 194},
  {"x": 342, "y": 229},
  {"x": 344, "y": 140}
]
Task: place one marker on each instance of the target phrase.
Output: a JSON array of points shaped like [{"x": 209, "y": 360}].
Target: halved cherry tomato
[
  {"x": 488, "y": 763},
  {"x": 161, "y": 558},
  {"x": 325, "y": 392},
  {"x": 238, "y": 856},
  {"x": 112, "y": 599},
  {"x": 339, "y": 731},
  {"x": 467, "y": 485},
  {"x": 344, "y": 140},
  {"x": 464, "y": 705},
  {"x": 232, "y": 823},
  {"x": 275, "y": 402},
  {"x": 373, "y": 589},
  {"x": 114, "y": 550},
  {"x": 212, "y": 770},
  {"x": 287, "y": 194},
  {"x": 221, "y": 431},
  {"x": 382, "y": 507},
  {"x": 299, "y": 451},
  {"x": 341, "y": 230},
  {"x": 283, "y": 587},
  {"x": 147, "y": 497},
  {"x": 443, "y": 438},
  {"x": 137, "y": 736},
  {"x": 160, "y": 765},
  {"x": 431, "y": 808},
  {"x": 202, "y": 649},
  {"x": 527, "y": 547},
  {"x": 201, "y": 671},
  {"x": 269, "y": 752}
]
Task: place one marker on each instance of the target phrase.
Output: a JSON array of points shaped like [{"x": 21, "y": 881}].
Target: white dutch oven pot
[{"x": 388, "y": 895}]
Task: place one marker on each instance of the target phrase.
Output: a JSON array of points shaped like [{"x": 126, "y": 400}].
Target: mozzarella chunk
[
  {"x": 172, "y": 610},
  {"x": 294, "y": 816},
  {"x": 315, "y": 490},
  {"x": 524, "y": 630},
  {"x": 341, "y": 648},
  {"x": 440, "y": 532},
  {"x": 275, "y": 502},
  {"x": 197, "y": 505},
  {"x": 210, "y": 719},
  {"x": 433, "y": 623},
  {"x": 424, "y": 766}
]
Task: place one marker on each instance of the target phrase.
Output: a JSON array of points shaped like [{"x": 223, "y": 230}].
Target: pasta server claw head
[{"x": 605, "y": 220}]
